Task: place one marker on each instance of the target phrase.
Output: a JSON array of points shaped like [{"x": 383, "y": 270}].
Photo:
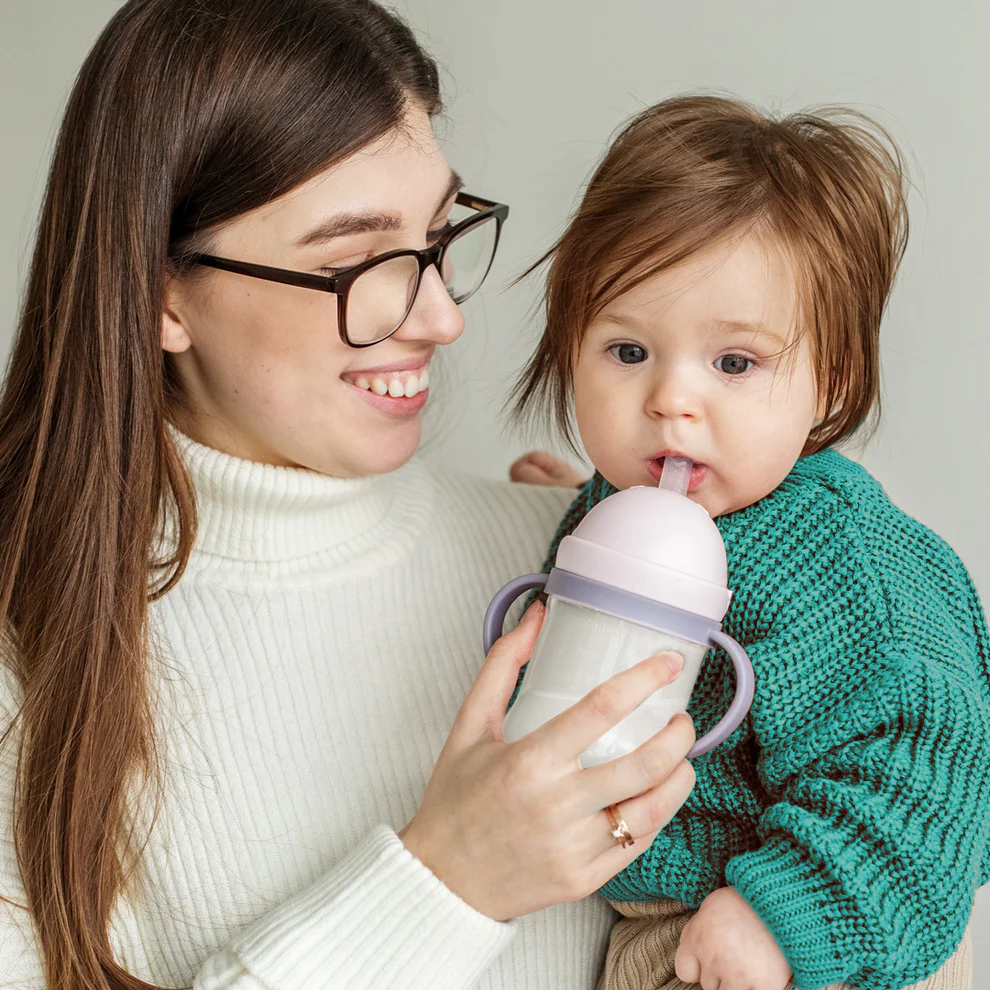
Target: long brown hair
[
  {"x": 827, "y": 187},
  {"x": 186, "y": 114}
]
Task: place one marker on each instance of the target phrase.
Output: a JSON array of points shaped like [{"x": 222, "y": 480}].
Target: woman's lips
[
  {"x": 397, "y": 393},
  {"x": 698, "y": 472},
  {"x": 394, "y": 407}
]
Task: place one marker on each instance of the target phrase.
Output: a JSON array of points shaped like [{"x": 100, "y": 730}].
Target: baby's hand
[
  {"x": 539, "y": 468},
  {"x": 725, "y": 946}
]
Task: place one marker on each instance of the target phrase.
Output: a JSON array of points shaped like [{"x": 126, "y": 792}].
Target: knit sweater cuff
[
  {"x": 794, "y": 904},
  {"x": 379, "y": 918}
]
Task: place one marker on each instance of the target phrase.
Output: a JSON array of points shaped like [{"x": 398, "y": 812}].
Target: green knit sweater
[{"x": 851, "y": 809}]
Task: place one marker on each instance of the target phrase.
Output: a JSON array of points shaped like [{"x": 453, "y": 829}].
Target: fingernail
[
  {"x": 675, "y": 661},
  {"x": 533, "y": 613}
]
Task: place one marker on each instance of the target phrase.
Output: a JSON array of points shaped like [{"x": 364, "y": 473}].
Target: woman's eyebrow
[
  {"x": 454, "y": 185},
  {"x": 349, "y": 223},
  {"x": 343, "y": 224}
]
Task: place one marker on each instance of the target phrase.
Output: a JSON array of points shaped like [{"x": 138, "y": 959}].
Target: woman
[{"x": 212, "y": 404}]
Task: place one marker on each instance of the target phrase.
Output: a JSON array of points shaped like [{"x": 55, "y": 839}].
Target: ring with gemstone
[{"x": 620, "y": 830}]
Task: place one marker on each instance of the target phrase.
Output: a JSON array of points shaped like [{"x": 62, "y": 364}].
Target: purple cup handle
[
  {"x": 502, "y": 602},
  {"x": 745, "y": 688}
]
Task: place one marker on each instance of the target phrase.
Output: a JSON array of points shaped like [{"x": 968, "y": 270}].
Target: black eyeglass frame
[{"x": 341, "y": 283}]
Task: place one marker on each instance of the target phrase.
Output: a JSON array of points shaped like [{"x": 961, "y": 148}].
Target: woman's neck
[{"x": 263, "y": 515}]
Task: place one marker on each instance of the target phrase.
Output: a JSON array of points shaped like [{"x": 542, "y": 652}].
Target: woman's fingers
[
  {"x": 483, "y": 710},
  {"x": 643, "y": 768},
  {"x": 531, "y": 469},
  {"x": 541, "y": 468},
  {"x": 646, "y": 814},
  {"x": 586, "y": 721},
  {"x": 493, "y": 812}
]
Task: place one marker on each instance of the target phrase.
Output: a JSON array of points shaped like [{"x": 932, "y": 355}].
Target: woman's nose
[
  {"x": 674, "y": 395},
  {"x": 434, "y": 316}
]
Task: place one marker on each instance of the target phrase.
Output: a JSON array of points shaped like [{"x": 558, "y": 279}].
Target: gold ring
[{"x": 620, "y": 830}]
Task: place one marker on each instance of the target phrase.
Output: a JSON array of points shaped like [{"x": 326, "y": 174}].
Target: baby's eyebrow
[
  {"x": 628, "y": 322},
  {"x": 745, "y": 326}
]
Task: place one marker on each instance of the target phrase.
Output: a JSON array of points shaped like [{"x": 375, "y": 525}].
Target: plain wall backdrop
[{"x": 536, "y": 87}]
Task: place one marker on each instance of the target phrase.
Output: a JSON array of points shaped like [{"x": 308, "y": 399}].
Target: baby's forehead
[{"x": 743, "y": 285}]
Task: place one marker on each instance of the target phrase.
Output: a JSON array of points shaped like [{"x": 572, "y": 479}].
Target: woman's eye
[
  {"x": 343, "y": 266},
  {"x": 733, "y": 364},
  {"x": 628, "y": 353},
  {"x": 432, "y": 236}
]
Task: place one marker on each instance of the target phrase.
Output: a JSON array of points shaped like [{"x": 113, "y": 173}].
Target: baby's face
[{"x": 689, "y": 362}]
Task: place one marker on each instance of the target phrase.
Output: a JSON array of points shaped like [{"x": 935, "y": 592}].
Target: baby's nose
[{"x": 674, "y": 396}]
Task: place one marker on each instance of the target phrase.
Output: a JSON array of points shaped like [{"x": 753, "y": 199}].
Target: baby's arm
[{"x": 725, "y": 945}]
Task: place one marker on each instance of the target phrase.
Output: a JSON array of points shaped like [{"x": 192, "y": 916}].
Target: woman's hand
[
  {"x": 514, "y": 827},
  {"x": 725, "y": 946},
  {"x": 540, "y": 468}
]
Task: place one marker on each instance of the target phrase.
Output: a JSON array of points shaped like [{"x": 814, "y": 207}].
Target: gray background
[{"x": 534, "y": 91}]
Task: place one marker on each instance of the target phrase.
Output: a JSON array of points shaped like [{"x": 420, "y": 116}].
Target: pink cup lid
[{"x": 654, "y": 543}]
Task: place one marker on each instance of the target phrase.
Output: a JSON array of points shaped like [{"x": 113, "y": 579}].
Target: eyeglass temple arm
[{"x": 475, "y": 202}]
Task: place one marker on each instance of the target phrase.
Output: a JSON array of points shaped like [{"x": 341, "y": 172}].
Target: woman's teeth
[{"x": 395, "y": 387}]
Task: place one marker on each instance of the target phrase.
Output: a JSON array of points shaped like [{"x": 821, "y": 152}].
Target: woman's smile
[{"x": 399, "y": 389}]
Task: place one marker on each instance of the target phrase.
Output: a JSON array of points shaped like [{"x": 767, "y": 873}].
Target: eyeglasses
[{"x": 375, "y": 297}]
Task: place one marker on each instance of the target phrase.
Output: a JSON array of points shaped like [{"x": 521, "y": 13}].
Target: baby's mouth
[{"x": 698, "y": 471}]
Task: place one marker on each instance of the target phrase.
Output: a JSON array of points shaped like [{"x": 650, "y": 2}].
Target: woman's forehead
[{"x": 402, "y": 175}]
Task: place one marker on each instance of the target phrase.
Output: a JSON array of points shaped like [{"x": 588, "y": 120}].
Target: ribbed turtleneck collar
[{"x": 284, "y": 519}]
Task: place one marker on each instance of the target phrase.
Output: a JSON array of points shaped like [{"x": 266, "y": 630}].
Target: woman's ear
[{"x": 175, "y": 336}]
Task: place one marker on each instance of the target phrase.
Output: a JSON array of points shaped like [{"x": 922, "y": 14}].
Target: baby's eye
[
  {"x": 628, "y": 353},
  {"x": 733, "y": 364}
]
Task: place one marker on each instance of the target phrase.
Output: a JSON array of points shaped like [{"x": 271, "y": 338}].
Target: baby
[{"x": 718, "y": 295}]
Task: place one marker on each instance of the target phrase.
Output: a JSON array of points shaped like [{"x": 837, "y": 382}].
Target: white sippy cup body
[
  {"x": 578, "y": 648},
  {"x": 644, "y": 572}
]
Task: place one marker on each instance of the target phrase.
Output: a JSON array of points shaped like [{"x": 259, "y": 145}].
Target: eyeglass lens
[{"x": 381, "y": 298}]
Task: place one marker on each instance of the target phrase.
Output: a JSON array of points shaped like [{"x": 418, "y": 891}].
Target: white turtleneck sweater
[{"x": 310, "y": 663}]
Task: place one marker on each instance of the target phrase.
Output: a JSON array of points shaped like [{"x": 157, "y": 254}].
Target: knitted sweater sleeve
[
  {"x": 878, "y": 831},
  {"x": 377, "y": 918}
]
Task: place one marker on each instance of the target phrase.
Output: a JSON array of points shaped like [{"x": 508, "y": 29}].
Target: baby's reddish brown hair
[{"x": 827, "y": 187}]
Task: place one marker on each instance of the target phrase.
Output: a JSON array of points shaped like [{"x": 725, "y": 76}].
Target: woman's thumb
[{"x": 483, "y": 710}]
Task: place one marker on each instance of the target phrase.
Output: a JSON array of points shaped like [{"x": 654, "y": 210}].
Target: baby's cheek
[
  {"x": 744, "y": 483},
  {"x": 600, "y": 431},
  {"x": 607, "y": 457}
]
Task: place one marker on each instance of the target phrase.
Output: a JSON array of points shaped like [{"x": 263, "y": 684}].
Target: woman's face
[{"x": 262, "y": 371}]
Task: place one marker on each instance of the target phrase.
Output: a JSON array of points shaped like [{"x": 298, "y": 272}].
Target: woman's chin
[{"x": 386, "y": 452}]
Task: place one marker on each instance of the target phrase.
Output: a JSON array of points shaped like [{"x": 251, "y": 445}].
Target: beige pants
[{"x": 645, "y": 939}]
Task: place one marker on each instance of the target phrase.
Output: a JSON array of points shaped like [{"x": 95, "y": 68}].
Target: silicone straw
[{"x": 676, "y": 474}]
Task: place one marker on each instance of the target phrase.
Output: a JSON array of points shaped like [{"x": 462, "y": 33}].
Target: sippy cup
[{"x": 643, "y": 572}]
